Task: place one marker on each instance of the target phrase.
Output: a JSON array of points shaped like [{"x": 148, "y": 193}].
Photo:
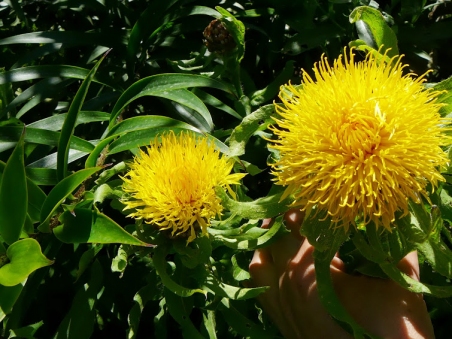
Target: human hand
[{"x": 382, "y": 307}]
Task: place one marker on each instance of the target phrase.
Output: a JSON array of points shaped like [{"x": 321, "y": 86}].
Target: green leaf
[
  {"x": 120, "y": 167},
  {"x": 214, "y": 102},
  {"x": 87, "y": 226},
  {"x": 413, "y": 285},
  {"x": 42, "y": 176},
  {"x": 26, "y": 332},
  {"x": 326, "y": 246},
  {"x": 36, "y": 196},
  {"x": 13, "y": 195},
  {"x": 25, "y": 257},
  {"x": 119, "y": 262},
  {"x": 10, "y": 134},
  {"x": 38, "y": 92},
  {"x": 327, "y": 294},
  {"x": 160, "y": 83},
  {"x": 105, "y": 191},
  {"x": 236, "y": 28},
  {"x": 317, "y": 228},
  {"x": 60, "y": 192},
  {"x": 239, "y": 267},
  {"x": 180, "y": 310},
  {"x": 267, "y": 207},
  {"x": 209, "y": 323},
  {"x": 144, "y": 137},
  {"x": 195, "y": 253},
  {"x": 248, "y": 239},
  {"x": 373, "y": 29},
  {"x": 445, "y": 97},
  {"x": 69, "y": 123},
  {"x": 55, "y": 122},
  {"x": 250, "y": 124},
  {"x": 219, "y": 288},
  {"x": 141, "y": 298},
  {"x": 146, "y": 26},
  {"x": 272, "y": 90},
  {"x": 109, "y": 38},
  {"x": 79, "y": 321},
  {"x": 49, "y": 71},
  {"x": 148, "y": 122},
  {"x": 246, "y": 327},
  {"x": 87, "y": 258},
  {"x": 160, "y": 266},
  {"x": 8, "y": 297},
  {"x": 200, "y": 113}
]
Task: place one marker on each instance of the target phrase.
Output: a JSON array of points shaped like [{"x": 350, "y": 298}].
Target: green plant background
[{"x": 84, "y": 84}]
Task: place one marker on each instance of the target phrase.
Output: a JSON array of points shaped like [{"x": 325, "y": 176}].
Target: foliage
[{"x": 85, "y": 84}]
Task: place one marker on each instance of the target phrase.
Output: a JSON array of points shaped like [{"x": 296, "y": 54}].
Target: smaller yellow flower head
[
  {"x": 359, "y": 140},
  {"x": 171, "y": 185}
]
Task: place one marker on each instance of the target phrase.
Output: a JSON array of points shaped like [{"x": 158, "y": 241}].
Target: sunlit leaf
[
  {"x": 25, "y": 257},
  {"x": 88, "y": 226},
  {"x": 261, "y": 208},
  {"x": 160, "y": 83},
  {"x": 60, "y": 192},
  {"x": 373, "y": 29},
  {"x": 69, "y": 123}
]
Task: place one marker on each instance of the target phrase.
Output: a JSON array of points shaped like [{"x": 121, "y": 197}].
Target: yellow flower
[
  {"x": 172, "y": 184},
  {"x": 359, "y": 140}
]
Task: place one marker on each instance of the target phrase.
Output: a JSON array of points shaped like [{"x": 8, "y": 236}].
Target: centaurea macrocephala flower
[
  {"x": 172, "y": 183},
  {"x": 358, "y": 140}
]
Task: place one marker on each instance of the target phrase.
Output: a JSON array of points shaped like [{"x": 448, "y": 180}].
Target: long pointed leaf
[
  {"x": 60, "y": 192},
  {"x": 69, "y": 124},
  {"x": 13, "y": 195},
  {"x": 160, "y": 83}
]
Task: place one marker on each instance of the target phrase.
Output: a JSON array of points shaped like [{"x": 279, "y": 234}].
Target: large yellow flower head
[
  {"x": 172, "y": 184},
  {"x": 358, "y": 140}
]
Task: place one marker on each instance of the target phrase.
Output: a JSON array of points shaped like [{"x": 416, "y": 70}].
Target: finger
[
  {"x": 266, "y": 223},
  {"x": 293, "y": 220},
  {"x": 264, "y": 273},
  {"x": 410, "y": 265}
]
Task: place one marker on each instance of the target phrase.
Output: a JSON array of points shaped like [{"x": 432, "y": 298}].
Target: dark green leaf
[
  {"x": 79, "y": 321},
  {"x": 180, "y": 311},
  {"x": 160, "y": 266},
  {"x": 26, "y": 332},
  {"x": 219, "y": 288},
  {"x": 109, "y": 38},
  {"x": 8, "y": 297},
  {"x": 87, "y": 226},
  {"x": 13, "y": 195},
  {"x": 87, "y": 258},
  {"x": 242, "y": 324},
  {"x": 270, "y": 92},
  {"x": 49, "y": 71}
]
